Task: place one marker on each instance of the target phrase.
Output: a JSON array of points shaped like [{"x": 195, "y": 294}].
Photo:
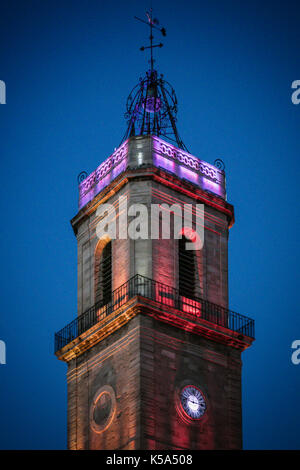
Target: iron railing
[{"x": 194, "y": 309}]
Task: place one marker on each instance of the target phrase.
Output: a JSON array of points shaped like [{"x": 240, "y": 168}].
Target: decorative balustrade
[
  {"x": 163, "y": 155},
  {"x": 192, "y": 309}
]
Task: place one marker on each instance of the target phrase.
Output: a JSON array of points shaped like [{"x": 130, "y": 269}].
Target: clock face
[
  {"x": 103, "y": 409},
  {"x": 193, "y": 402}
]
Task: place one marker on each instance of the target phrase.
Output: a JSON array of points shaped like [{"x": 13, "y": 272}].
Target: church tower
[{"x": 154, "y": 354}]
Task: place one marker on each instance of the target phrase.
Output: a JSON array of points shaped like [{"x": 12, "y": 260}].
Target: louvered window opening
[
  {"x": 105, "y": 272},
  {"x": 187, "y": 287}
]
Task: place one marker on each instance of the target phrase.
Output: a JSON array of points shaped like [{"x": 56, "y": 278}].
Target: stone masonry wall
[
  {"x": 147, "y": 363},
  {"x": 172, "y": 358}
]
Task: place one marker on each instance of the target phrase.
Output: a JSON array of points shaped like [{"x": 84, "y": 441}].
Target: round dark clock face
[
  {"x": 193, "y": 402},
  {"x": 103, "y": 408}
]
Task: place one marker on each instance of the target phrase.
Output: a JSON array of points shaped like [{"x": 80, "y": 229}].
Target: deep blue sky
[{"x": 68, "y": 67}]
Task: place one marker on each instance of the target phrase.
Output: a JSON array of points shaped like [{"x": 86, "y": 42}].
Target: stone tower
[{"x": 154, "y": 355}]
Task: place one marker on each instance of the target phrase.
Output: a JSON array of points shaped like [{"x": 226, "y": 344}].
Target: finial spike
[{"x": 153, "y": 23}]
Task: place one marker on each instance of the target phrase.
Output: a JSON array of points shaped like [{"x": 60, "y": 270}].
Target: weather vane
[
  {"x": 151, "y": 106},
  {"x": 152, "y": 23}
]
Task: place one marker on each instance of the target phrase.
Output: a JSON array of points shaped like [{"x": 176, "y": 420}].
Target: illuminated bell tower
[{"x": 154, "y": 355}]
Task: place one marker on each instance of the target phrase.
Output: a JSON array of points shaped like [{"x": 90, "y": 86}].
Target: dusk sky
[{"x": 69, "y": 67}]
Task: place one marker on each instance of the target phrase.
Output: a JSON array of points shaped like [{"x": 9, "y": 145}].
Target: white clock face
[{"x": 193, "y": 402}]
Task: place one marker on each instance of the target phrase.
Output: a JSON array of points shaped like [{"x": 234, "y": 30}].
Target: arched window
[
  {"x": 103, "y": 273},
  {"x": 187, "y": 267}
]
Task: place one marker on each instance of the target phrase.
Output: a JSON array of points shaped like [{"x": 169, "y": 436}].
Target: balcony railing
[{"x": 193, "y": 309}]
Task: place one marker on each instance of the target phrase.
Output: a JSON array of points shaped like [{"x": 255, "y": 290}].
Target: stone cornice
[
  {"x": 140, "y": 305},
  {"x": 162, "y": 176}
]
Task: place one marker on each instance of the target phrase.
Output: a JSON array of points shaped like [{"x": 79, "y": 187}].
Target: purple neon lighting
[
  {"x": 187, "y": 166},
  {"x": 164, "y": 155},
  {"x": 188, "y": 174},
  {"x": 103, "y": 175},
  {"x": 119, "y": 169},
  {"x": 213, "y": 187},
  {"x": 163, "y": 162}
]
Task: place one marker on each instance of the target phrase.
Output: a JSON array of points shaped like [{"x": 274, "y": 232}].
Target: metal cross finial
[{"x": 153, "y": 23}]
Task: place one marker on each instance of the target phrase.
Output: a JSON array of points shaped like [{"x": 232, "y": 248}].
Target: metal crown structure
[{"x": 151, "y": 107}]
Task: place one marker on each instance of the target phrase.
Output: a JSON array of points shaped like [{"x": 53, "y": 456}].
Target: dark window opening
[
  {"x": 104, "y": 289},
  {"x": 186, "y": 270}
]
